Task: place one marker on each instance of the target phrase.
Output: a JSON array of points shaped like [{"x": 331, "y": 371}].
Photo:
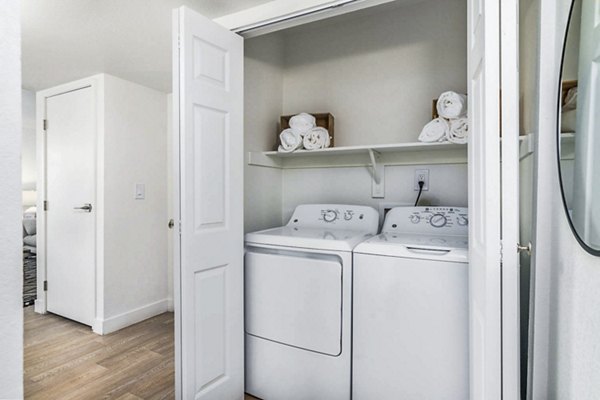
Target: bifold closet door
[
  {"x": 70, "y": 217},
  {"x": 209, "y": 282}
]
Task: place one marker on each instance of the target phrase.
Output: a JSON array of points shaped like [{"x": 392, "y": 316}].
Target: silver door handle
[{"x": 86, "y": 207}]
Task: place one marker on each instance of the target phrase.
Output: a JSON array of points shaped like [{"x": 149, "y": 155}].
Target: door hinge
[
  {"x": 45, "y": 286},
  {"x": 45, "y": 125},
  {"x": 45, "y": 205},
  {"x": 179, "y": 224}
]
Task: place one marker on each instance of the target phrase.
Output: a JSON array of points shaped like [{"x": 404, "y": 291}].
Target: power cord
[{"x": 421, "y": 184}]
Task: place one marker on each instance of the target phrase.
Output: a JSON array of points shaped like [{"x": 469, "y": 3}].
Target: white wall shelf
[{"x": 359, "y": 156}]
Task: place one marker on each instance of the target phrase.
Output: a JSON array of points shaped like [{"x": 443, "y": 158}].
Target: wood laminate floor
[{"x": 66, "y": 360}]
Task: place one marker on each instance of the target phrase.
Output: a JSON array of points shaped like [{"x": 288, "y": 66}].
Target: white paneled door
[
  {"x": 70, "y": 141},
  {"x": 493, "y": 199},
  {"x": 208, "y": 103}
]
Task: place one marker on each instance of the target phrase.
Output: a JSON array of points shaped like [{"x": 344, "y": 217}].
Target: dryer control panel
[
  {"x": 335, "y": 216},
  {"x": 427, "y": 220}
]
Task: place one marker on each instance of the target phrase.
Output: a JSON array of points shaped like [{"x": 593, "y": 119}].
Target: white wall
[
  {"x": 566, "y": 343},
  {"x": 377, "y": 71},
  {"x": 448, "y": 186},
  {"x": 135, "y": 243},
  {"x": 263, "y": 100},
  {"x": 11, "y": 266},
  {"x": 28, "y": 164}
]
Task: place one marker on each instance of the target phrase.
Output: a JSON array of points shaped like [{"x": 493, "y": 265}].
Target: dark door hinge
[
  {"x": 45, "y": 205},
  {"x": 45, "y": 125},
  {"x": 45, "y": 286}
]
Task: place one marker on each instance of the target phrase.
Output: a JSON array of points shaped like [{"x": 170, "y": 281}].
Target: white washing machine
[
  {"x": 411, "y": 307},
  {"x": 298, "y": 300}
]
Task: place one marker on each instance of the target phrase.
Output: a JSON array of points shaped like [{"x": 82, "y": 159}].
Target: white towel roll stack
[
  {"x": 435, "y": 131},
  {"x": 316, "y": 138},
  {"x": 459, "y": 131},
  {"x": 302, "y": 123},
  {"x": 290, "y": 141},
  {"x": 452, "y": 105}
]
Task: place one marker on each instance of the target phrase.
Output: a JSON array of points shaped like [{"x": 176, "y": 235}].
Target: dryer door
[{"x": 295, "y": 299}]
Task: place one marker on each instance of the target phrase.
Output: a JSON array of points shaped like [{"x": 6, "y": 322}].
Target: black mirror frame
[{"x": 586, "y": 247}]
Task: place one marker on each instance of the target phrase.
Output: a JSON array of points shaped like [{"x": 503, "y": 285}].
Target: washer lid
[
  {"x": 309, "y": 238},
  {"x": 425, "y": 247}
]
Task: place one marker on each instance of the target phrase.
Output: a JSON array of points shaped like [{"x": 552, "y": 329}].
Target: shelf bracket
[{"x": 377, "y": 170}]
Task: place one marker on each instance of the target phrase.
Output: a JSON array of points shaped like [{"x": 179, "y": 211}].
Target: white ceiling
[{"x": 65, "y": 40}]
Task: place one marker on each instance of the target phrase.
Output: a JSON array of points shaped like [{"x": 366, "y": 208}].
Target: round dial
[
  {"x": 330, "y": 216},
  {"x": 438, "y": 220},
  {"x": 462, "y": 221},
  {"x": 348, "y": 215},
  {"x": 415, "y": 219}
]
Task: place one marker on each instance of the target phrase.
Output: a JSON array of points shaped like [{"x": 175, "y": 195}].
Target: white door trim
[{"x": 96, "y": 84}]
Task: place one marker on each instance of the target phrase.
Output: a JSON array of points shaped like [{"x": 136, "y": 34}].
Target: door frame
[
  {"x": 96, "y": 84},
  {"x": 293, "y": 15}
]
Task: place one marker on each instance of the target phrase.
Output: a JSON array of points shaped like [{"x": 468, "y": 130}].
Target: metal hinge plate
[
  {"x": 45, "y": 125},
  {"x": 45, "y": 205},
  {"x": 45, "y": 286}
]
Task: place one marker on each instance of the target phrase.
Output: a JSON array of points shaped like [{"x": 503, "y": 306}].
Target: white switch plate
[
  {"x": 422, "y": 175},
  {"x": 140, "y": 191}
]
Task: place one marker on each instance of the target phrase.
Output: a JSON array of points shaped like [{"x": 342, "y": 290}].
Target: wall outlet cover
[{"x": 422, "y": 175}]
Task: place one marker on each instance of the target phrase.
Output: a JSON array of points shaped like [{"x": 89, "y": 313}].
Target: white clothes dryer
[
  {"x": 411, "y": 308},
  {"x": 298, "y": 303}
]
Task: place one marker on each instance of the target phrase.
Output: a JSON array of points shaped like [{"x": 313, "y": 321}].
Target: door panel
[
  {"x": 208, "y": 94},
  {"x": 511, "y": 312},
  {"x": 295, "y": 302},
  {"x": 484, "y": 199},
  {"x": 70, "y": 183}
]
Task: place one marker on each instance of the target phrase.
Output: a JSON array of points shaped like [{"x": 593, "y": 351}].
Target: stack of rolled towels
[
  {"x": 452, "y": 124},
  {"x": 303, "y": 133}
]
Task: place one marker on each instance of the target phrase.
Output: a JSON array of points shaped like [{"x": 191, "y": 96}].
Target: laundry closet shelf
[{"x": 357, "y": 156}]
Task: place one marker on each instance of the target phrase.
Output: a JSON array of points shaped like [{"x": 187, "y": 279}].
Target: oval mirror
[{"x": 579, "y": 123}]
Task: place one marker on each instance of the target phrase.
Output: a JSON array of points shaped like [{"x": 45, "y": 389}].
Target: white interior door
[
  {"x": 208, "y": 102},
  {"x": 484, "y": 199},
  {"x": 70, "y": 185}
]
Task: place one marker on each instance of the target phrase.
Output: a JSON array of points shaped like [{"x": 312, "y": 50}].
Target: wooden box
[{"x": 324, "y": 120}]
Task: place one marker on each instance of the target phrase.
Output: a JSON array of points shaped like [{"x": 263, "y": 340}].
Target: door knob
[
  {"x": 86, "y": 207},
  {"x": 171, "y": 224},
  {"x": 526, "y": 249}
]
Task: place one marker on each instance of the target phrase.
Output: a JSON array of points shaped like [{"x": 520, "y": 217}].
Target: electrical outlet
[{"x": 422, "y": 175}]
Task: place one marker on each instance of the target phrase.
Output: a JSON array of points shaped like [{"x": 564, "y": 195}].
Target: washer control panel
[
  {"x": 335, "y": 216},
  {"x": 427, "y": 220}
]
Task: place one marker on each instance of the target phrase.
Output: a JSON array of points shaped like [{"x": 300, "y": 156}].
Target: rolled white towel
[
  {"x": 452, "y": 105},
  {"x": 317, "y": 138},
  {"x": 302, "y": 123},
  {"x": 290, "y": 141},
  {"x": 435, "y": 131},
  {"x": 459, "y": 131}
]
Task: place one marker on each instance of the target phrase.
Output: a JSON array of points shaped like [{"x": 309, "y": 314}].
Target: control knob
[
  {"x": 415, "y": 219},
  {"x": 462, "y": 221},
  {"x": 330, "y": 216},
  {"x": 438, "y": 220}
]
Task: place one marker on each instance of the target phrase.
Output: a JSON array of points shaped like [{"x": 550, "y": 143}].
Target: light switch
[{"x": 140, "y": 191}]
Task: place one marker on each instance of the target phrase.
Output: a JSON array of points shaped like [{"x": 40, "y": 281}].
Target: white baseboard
[
  {"x": 112, "y": 324},
  {"x": 39, "y": 306},
  {"x": 170, "y": 305}
]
